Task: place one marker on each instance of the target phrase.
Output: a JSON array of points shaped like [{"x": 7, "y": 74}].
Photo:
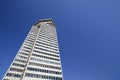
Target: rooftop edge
[{"x": 44, "y": 20}]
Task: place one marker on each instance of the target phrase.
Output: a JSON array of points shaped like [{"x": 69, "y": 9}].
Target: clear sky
[{"x": 88, "y": 33}]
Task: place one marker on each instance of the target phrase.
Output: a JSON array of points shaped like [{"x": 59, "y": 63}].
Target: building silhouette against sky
[{"x": 38, "y": 58}]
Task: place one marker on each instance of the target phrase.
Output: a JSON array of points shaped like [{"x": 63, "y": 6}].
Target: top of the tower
[{"x": 48, "y": 21}]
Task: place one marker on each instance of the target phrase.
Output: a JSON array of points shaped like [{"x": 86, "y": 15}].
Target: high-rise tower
[{"x": 38, "y": 58}]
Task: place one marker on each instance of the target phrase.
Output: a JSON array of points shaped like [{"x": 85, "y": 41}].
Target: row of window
[
  {"x": 48, "y": 34},
  {"x": 47, "y": 47},
  {"x": 46, "y": 37},
  {"x": 46, "y": 66},
  {"x": 20, "y": 65},
  {"x": 53, "y": 40},
  {"x": 29, "y": 38},
  {"x": 27, "y": 47},
  {"x": 46, "y": 41},
  {"x": 15, "y": 69},
  {"x": 45, "y": 57},
  {"x": 28, "y": 44},
  {"x": 43, "y": 76},
  {"x": 46, "y": 50},
  {"x": 18, "y": 60},
  {"x": 46, "y": 61},
  {"x": 25, "y": 50},
  {"x": 45, "y": 53},
  {"x": 13, "y": 75},
  {"x": 23, "y": 57},
  {"x": 43, "y": 70},
  {"x": 23, "y": 53},
  {"x": 47, "y": 29},
  {"x": 31, "y": 35},
  {"x": 47, "y": 44},
  {"x": 6, "y": 79}
]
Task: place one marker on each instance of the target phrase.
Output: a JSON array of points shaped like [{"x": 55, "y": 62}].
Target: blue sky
[{"x": 88, "y": 33}]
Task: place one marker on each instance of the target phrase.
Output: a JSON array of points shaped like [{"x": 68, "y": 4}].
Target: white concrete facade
[{"x": 38, "y": 58}]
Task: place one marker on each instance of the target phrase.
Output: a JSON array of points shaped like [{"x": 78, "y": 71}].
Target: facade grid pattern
[{"x": 38, "y": 58}]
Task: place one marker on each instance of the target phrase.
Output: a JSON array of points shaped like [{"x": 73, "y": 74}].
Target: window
[
  {"x": 13, "y": 75},
  {"x": 42, "y": 76},
  {"x": 20, "y": 65},
  {"x": 45, "y": 57},
  {"x": 46, "y": 66},
  {"x": 15, "y": 69}
]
